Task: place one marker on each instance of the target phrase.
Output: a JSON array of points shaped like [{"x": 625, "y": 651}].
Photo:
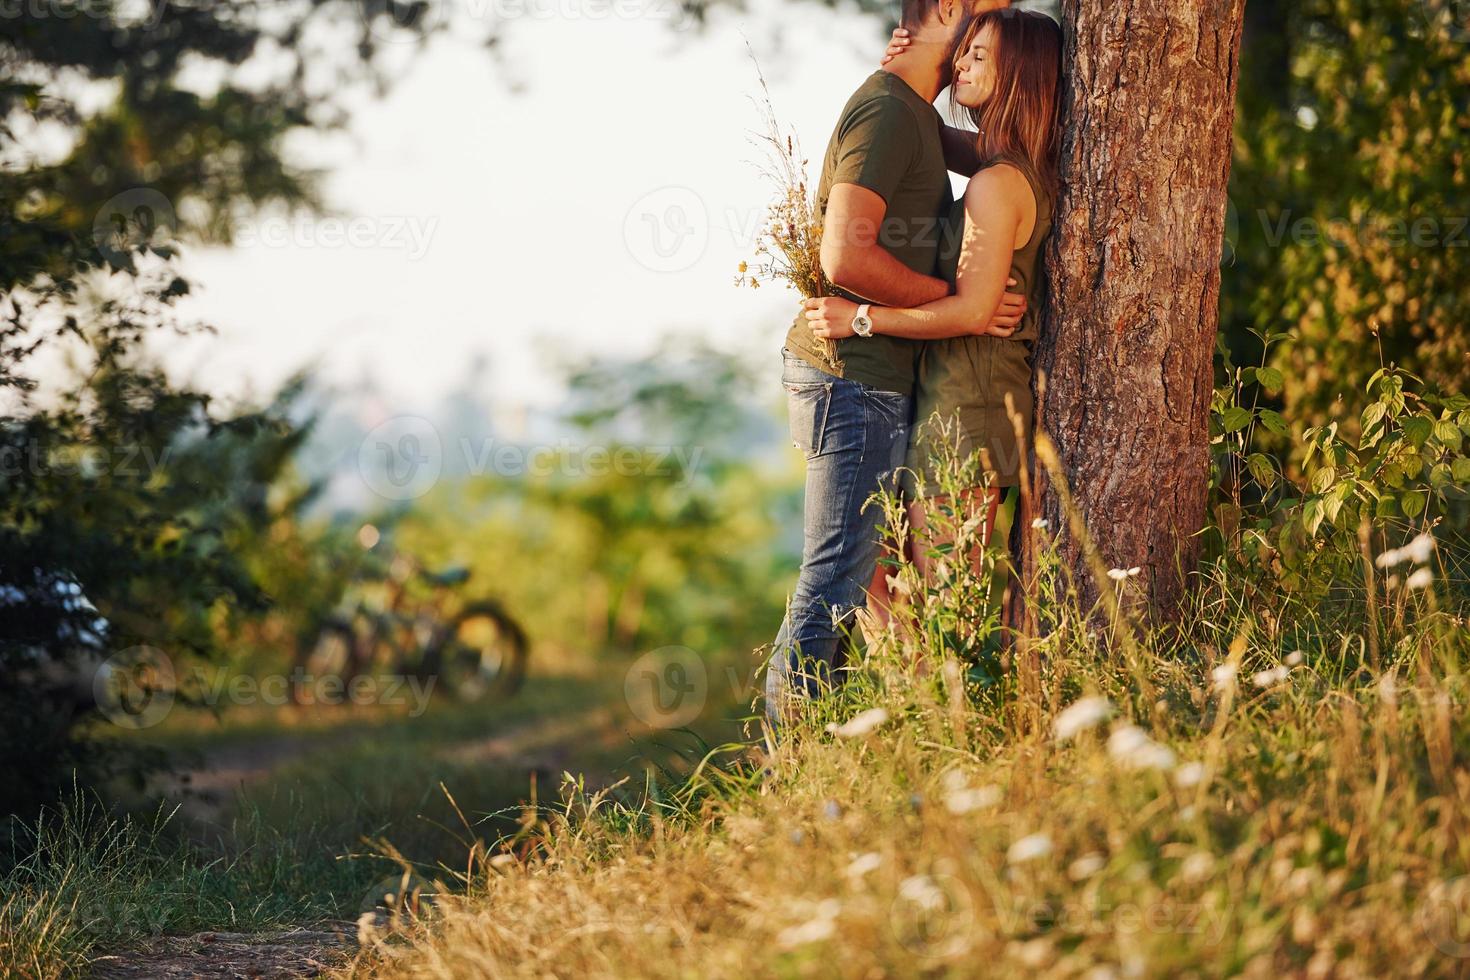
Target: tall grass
[
  {"x": 1274, "y": 786},
  {"x": 84, "y": 878}
]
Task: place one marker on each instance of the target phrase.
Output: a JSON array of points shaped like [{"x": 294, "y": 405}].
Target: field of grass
[
  {"x": 283, "y": 817},
  {"x": 1277, "y": 786},
  {"x": 1276, "y": 795}
]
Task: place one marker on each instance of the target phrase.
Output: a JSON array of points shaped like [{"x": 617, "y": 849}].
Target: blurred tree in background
[
  {"x": 121, "y": 491},
  {"x": 1351, "y": 200},
  {"x": 650, "y": 525}
]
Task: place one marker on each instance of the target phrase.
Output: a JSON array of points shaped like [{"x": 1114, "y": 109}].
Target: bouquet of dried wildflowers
[{"x": 789, "y": 247}]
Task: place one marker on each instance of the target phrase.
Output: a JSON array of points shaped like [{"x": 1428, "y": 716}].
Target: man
[{"x": 883, "y": 189}]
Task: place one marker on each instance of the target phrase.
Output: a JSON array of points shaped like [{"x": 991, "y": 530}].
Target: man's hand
[
  {"x": 1007, "y": 317},
  {"x": 830, "y": 317}
]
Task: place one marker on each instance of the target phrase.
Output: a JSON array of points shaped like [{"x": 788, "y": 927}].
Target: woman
[{"x": 1007, "y": 72}]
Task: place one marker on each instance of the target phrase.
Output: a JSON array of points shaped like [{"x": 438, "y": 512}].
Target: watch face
[{"x": 862, "y": 326}]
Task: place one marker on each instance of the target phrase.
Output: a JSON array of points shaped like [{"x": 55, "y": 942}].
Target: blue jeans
[{"x": 854, "y": 437}]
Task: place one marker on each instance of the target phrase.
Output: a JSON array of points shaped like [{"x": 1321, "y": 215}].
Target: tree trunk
[{"x": 1127, "y": 346}]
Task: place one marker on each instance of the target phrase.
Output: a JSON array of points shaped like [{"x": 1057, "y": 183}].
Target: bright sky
[{"x": 604, "y": 206}]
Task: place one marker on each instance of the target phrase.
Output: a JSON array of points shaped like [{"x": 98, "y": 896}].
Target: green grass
[{"x": 366, "y": 792}]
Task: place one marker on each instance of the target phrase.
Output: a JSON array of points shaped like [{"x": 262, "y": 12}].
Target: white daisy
[
  {"x": 1029, "y": 848},
  {"x": 1081, "y": 715},
  {"x": 861, "y": 724}
]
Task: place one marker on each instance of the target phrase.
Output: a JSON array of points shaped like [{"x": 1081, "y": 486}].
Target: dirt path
[
  {"x": 305, "y": 952},
  {"x": 208, "y": 792}
]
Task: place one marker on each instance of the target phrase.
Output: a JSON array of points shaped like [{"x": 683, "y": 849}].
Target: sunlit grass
[{"x": 1257, "y": 791}]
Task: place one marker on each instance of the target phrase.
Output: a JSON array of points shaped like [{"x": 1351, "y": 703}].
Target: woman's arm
[
  {"x": 961, "y": 149},
  {"x": 998, "y": 203}
]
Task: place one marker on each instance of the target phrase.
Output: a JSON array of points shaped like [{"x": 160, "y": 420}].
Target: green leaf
[
  {"x": 1440, "y": 476},
  {"x": 1323, "y": 479},
  {"x": 1270, "y": 379},
  {"x": 1274, "y": 422},
  {"x": 1372, "y": 415},
  {"x": 1412, "y": 504},
  {"x": 1312, "y": 515},
  {"x": 1262, "y": 469},
  {"x": 1417, "y": 429},
  {"x": 1460, "y": 469},
  {"x": 1236, "y": 418},
  {"x": 1448, "y": 434},
  {"x": 1334, "y": 500}
]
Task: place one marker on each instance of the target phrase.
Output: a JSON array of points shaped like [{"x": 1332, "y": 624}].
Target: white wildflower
[
  {"x": 1131, "y": 746},
  {"x": 1270, "y": 677},
  {"x": 1189, "y": 774},
  {"x": 1040, "y": 523},
  {"x": 821, "y": 927},
  {"x": 1417, "y": 551},
  {"x": 1421, "y": 579},
  {"x": 1081, "y": 715},
  {"x": 862, "y": 724},
  {"x": 1029, "y": 848},
  {"x": 1223, "y": 675},
  {"x": 968, "y": 800},
  {"x": 863, "y": 864},
  {"x": 1420, "y": 549},
  {"x": 1119, "y": 574},
  {"x": 1295, "y": 658},
  {"x": 1086, "y": 866},
  {"x": 1388, "y": 688},
  {"x": 923, "y": 891},
  {"x": 1197, "y": 866}
]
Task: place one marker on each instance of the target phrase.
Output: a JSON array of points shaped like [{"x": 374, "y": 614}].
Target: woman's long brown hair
[{"x": 1021, "y": 117}]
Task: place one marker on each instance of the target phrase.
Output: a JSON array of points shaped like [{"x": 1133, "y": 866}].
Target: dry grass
[
  {"x": 1256, "y": 800},
  {"x": 789, "y": 247}
]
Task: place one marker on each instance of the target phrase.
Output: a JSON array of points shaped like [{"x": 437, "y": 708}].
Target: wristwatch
[{"x": 862, "y": 324}]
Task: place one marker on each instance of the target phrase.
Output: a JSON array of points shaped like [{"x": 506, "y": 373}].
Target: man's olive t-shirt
[{"x": 887, "y": 141}]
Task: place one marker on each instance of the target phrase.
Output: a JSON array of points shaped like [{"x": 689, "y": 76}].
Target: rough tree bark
[{"x": 1128, "y": 339}]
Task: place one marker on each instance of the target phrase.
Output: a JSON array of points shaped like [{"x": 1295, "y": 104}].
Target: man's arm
[
  {"x": 853, "y": 258},
  {"x": 994, "y": 216}
]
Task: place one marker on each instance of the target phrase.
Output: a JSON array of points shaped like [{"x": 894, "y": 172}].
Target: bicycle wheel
[{"x": 484, "y": 656}]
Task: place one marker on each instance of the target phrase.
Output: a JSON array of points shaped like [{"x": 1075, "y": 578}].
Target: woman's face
[{"x": 974, "y": 71}]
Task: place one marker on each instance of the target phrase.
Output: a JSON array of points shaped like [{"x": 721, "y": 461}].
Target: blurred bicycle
[{"x": 413, "y": 622}]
